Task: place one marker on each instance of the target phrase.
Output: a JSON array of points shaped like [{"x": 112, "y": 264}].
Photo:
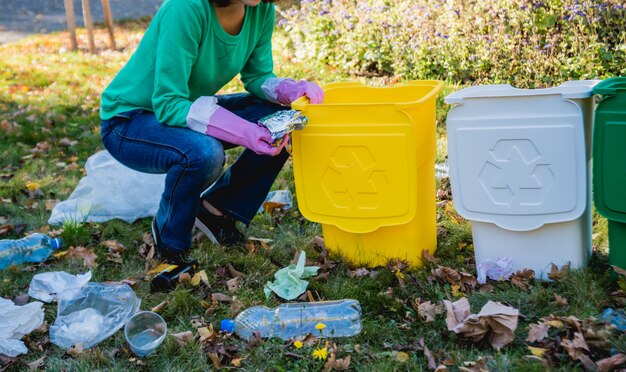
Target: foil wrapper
[{"x": 283, "y": 122}]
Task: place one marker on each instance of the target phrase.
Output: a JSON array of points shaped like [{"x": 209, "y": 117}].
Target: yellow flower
[
  {"x": 320, "y": 353},
  {"x": 297, "y": 344},
  {"x": 320, "y": 326}
]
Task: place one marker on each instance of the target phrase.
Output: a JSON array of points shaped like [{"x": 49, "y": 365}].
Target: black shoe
[
  {"x": 166, "y": 255},
  {"x": 219, "y": 229}
]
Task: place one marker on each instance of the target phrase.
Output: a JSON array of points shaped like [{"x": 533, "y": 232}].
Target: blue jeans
[{"x": 193, "y": 161}]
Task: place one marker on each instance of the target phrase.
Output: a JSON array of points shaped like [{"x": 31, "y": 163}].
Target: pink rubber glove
[
  {"x": 226, "y": 126},
  {"x": 290, "y": 90}
]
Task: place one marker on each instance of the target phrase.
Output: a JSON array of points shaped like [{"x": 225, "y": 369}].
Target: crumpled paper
[
  {"x": 46, "y": 286},
  {"x": 15, "y": 323},
  {"x": 288, "y": 283},
  {"x": 499, "y": 269},
  {"x": 495, "y": 321}
]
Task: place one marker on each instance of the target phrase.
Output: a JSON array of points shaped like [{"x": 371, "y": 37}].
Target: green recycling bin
[{"x": 609, "y": 163}]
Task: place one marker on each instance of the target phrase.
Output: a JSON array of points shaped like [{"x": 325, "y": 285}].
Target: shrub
[{"x": 520, "y": 42}]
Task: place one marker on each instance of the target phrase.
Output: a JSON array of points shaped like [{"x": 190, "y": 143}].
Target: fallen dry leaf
[
  {"x": 426, "y": 255},
  {"x": 220, "y": 297},
  {"x": 233, "y": 284},
  {"x": 206, "y": 333},
  {"x": 75, "y": 350},
  {"x": 88, "y": 256},
  {"x": 337, "y": 364},
  {"x": 537, "y": 332},
  {"x": 183, "y": 338},
  {"x": 236, "y": 306},
  {"x": 427, "y": 310},
  {"x": 184, "y": 278},
  {"x": 432, "y": 364},
  {"x": 114, "y": 246},
  {"x": 269, "y": 206},
  {"x": 358, "y": 272},
  {"x": 561, "y": 301},
  {"x": 236, "y": 362},
  {"x": 234, "y": 272},
  {"x": 610, "y": 363},
  {"x": 537, "y": 351},
  {"x": 453, "y": 277},
  {"x": 318, "y": 241},
  {"x": 216, "y": 360},
  {"x": 160, "y": 307},
  {"x": 200, "y": 277},
  {"x": 402, "y": 357},
  {"x": 523, "y": 279},
  {"x": 557, "y": 274},
  {"x": 36, "y": 364}
]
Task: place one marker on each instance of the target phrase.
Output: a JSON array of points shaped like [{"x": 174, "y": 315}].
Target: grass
[{"x": 48, "y": 94}]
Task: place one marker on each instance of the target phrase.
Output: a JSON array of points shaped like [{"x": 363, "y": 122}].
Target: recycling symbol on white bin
[
  {"x": 354, "y": 179},
  {"x": 515, "y": 174}
]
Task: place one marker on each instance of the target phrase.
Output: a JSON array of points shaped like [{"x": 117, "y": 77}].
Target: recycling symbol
[
  {"x": 353, "y": 179},
  {"x": 515, "y": 174}
]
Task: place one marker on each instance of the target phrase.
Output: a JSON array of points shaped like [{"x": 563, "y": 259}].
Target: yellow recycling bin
[{"x": 364, "y": 169}]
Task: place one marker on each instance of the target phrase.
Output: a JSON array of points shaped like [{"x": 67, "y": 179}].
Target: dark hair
[{"x": 227, "y": 2}]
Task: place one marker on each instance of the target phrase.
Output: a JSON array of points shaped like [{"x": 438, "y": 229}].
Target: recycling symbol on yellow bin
[
  {"x": 353, "y": 179},
  {"x": 516, "y": 175}
]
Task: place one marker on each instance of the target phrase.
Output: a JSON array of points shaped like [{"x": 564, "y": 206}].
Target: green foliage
[{"x": 525, "y": 43}]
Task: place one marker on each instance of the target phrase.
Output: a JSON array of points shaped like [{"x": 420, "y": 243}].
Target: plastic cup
[{"x": 144, "y": 332}]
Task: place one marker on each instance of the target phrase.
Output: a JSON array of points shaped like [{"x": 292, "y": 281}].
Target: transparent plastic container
[
  {"x": 340, "y": 318},
  {"x": 33, "y": 248},
  {"x": 144, "y": 332}
]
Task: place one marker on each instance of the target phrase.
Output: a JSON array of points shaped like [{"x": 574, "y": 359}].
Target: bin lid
[
  {"x": 610, "y": 86},
  {"x": 568, "y": 90},
  {"x": 517, "y": 156}
]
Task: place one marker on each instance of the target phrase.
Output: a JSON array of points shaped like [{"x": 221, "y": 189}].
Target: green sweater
[{"x": 185, "y": 54}]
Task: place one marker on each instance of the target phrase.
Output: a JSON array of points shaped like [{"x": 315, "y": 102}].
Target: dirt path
[{"x": 20, "y": 18}]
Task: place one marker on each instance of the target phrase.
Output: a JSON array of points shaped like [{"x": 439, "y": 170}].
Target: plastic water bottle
[
  {"x": 33, "y": 248},
  {"x": 615, "y": 317},
  {"x": 340, "y": 318}
]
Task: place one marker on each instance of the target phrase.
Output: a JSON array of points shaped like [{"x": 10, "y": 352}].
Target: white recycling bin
[{"x": 519, "y": 170}]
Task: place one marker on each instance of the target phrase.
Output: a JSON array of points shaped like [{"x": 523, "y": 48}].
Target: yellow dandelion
[
  {"x": 298, "y": 344},
  {"x": 320, "y": 326},
  {"x": 321, "y": 353}
]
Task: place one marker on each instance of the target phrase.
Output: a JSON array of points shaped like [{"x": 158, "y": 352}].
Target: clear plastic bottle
[
  {"x": 33, "y": 248},
  {"x": 340, "y": 318}
]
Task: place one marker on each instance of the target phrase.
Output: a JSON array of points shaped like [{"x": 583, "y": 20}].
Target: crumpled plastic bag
[
  {"x": 499, "y": 269},
  {"x": 15, "y": 323},
  {"x": 288, "y": 283},
  {"x": 278, "y": 196},
  {"x": 91, "y": 314},
  {"x": 495, "y": 321},
  {"x": 110, "y": 190},
  {"x": 46, "y": 286}
]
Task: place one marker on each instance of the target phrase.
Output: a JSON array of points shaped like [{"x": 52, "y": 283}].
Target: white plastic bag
[
  {"x": 110, "y": 190},
  {"x": 89, "y": 315},
  {"x": 15, "y": 323},
  {"x": 278, "y": 196},
  {"x": 46, "y": 286}
]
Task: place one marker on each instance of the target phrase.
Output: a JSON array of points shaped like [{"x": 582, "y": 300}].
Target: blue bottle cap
[
  {"x": 56, "y": 243},
  {"x": 227, "y": 325}
]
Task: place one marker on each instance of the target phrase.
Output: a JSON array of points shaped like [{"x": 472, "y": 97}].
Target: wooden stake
[
  {"x": 89, "y": 25},
  {"x": 106, "y": 8},
  {"x": 71, "y": 22}
]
